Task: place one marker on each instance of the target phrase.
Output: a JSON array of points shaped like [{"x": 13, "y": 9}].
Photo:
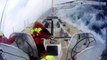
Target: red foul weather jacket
[
  {"x": 44, "y": 33},
  {"x": 3, "y": 39}
]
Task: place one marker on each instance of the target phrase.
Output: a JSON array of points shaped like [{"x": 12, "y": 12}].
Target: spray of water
[
  {"x": 88, "y": 18},
  {"x": 20, "y": 13}
]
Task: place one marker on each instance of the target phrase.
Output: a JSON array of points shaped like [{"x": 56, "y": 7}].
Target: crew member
[{"x": 39, "y": 32}]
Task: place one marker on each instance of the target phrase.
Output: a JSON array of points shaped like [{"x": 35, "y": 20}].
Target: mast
[{"x": 52, "y": 9}]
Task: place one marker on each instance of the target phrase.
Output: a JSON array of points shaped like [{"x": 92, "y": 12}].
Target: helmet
[
  {"x": 38, "y": 25},
  {"x": 48, "y": 57}
]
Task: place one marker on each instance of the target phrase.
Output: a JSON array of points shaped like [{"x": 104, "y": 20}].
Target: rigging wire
[{"x": 3, "y": 14}]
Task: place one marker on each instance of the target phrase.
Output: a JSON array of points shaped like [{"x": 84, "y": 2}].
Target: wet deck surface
[{"x": 70, "y": 29}]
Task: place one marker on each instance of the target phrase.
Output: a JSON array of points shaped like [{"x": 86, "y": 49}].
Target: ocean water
[{"x": 88, "y": 18}]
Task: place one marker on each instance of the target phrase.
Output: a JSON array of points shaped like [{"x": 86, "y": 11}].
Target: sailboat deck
[{"x": 64, "y": 44}]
